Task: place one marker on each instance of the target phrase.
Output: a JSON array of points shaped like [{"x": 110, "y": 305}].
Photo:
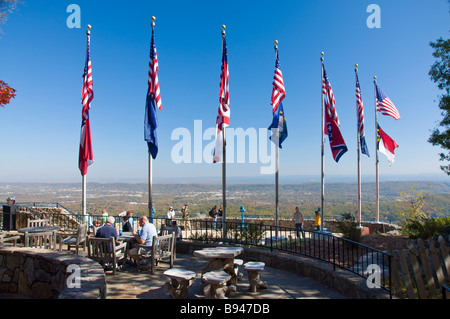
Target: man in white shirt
[{"x": 145, "y": 238}]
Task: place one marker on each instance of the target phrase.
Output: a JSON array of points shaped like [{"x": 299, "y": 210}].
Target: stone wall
[
  {"x": 56, "y": 215},
  {"x": 42, "y": 274},
  {"x": 344, "y": 282}
]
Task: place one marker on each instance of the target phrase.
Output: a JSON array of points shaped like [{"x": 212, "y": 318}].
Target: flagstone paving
[{"x": 131, "y": 284}]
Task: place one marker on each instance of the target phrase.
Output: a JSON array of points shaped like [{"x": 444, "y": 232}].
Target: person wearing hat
[
  {"x": 185, "y": 212},
  {"x": 170, "y": 216},
  {"x": 108, "y": 230}
]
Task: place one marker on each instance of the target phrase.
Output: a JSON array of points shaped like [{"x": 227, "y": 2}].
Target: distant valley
[{"x": 258, "y": 199}]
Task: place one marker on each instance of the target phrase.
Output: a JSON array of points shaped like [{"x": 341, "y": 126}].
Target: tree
[
  {"x": 6, "y": 93},
  {"x": 440, "y": 74},
  {"x": 7, "y": 6}
]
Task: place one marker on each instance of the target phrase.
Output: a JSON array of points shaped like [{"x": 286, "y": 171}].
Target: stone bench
[
  {"x": 180, "y": 280},
  {"x": 217, "y": 281},
  {"x": 254, "y": 269}
]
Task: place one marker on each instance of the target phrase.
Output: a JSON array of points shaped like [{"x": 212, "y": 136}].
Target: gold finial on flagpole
[
  {"x": 276, "y": 44},
  {"x": 356, "y": 65},
  {"x": 321, "y": 56},
  {"x": 88, "y": 32},
  {"x": 153, "y": 21},
  {"x": 223, "y": 29}
]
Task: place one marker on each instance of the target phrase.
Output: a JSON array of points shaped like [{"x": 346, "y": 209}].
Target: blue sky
[{"x": 43, "y": 60}]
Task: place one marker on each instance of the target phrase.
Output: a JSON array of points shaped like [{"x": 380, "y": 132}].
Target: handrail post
[{"x": 334, "y": 251}]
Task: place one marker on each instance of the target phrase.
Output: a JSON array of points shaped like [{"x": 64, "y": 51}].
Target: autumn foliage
[{"x": 6, "y": 93}]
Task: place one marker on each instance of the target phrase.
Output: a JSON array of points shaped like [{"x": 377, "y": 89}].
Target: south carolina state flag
[{"x": 386, "y": 145}]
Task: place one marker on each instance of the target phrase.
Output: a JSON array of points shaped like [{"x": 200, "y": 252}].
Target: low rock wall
[
  {"x": 344, "y": 282},
  {"x": 44, "y": 274}
]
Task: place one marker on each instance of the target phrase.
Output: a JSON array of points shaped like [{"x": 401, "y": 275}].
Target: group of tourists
[
  {"x": 185, "y": 213},
  {"x": 298, "y": 220}
]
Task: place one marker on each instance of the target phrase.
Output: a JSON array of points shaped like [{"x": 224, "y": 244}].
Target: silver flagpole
[
  {"x": 150, "y": 184},
  {"x": 358, "y": 148},
  {"x": 322, "y": 176},
  {"x": 83, "y": 182},
  {"x": 224, "y": 166},
  {"x": 150, "y": 168},
  {"x": 276, "y": 164},
  {"x": 376, "y": 152},
  {"x": 83, "y": 195}
]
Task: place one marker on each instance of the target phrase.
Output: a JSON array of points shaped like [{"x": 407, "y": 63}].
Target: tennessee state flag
[{"x": 337, "y": 143}]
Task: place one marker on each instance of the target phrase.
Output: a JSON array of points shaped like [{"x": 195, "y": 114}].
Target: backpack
[{"x": 211, "y": 213}]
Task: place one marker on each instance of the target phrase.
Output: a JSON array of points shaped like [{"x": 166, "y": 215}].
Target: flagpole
[
  {"x": 376, "y": 151},
  {"x": 322, "y": 177},
  {"x": 277, "y": 145},
  {"x": 83, "y": 195},
  {"x": 224, "y": 165},
  {"x": 83, "y": 180},
  {"x": 358, "y": 148},
  {"x": 150, "y": 184},
  {"x": 150, "y": 162}
]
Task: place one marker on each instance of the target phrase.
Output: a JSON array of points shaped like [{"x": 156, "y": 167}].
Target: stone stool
[
  {"x": 217, "y": 281},
  {"x": 180, "y": 280},
  {"x": 254, "y": 269},
  {"x": 238, "y": 276}
]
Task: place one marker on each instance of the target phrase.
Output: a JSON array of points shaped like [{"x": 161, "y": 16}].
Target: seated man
[
  {"x": 127, "y": 225},
  {"x": 108, "y": 230},
  {"x": 146, "y": 237}
]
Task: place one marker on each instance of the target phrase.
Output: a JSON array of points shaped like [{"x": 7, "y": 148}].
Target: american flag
[
  {"x": 329, "y": 100},
  {"x": 278, "y": 92},
  {"x": 223, "y": 117},
  {"x": 360, "y": 113},
  {"x": 153, "y": 100},
  {"x": 385, "y": 105},
  {"x": 85, "y": 157},
  {"x": 153, "y": 83}
]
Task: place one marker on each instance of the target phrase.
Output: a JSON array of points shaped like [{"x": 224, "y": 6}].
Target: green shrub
[
  {"x": 348, "y": 226},
  {"x": 426, "y": 227}
]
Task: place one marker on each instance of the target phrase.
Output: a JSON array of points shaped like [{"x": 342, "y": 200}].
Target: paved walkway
[{"x": 130, "y": 284}]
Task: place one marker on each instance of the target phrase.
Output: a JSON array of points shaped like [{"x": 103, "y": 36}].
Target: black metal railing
[{"x": 364, "y": 261}]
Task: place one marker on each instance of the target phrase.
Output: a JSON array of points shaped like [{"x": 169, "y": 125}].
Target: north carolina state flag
[{"x": 386, "y": 145}]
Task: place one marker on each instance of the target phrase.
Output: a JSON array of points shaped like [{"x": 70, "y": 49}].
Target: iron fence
[{"x": 364, "y": 261}]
